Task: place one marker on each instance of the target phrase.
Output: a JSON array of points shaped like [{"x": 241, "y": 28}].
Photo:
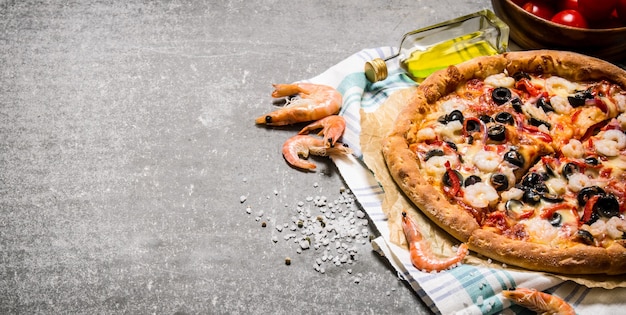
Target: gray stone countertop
[{"x": 127, "y": 142}]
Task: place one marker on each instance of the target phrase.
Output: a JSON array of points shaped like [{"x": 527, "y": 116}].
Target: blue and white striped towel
[{"x": 466, "y": 289}]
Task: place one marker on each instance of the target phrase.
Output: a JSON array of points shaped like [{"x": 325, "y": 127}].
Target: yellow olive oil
[{"x": 421, "y": 63}]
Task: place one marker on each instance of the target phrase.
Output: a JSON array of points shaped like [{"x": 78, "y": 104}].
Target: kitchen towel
[{"x": 467, "y": 289}]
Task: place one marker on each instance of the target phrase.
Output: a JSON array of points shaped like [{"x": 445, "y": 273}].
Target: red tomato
[
  {"x": 540, "y": 9},
  {"x": 568, "y": 5},
  {"x": 621, "y": 10},
  {"x": 519, "y": 2},
  {"x": 571, "y": 18},
  {"x": 596, "y": 10}
]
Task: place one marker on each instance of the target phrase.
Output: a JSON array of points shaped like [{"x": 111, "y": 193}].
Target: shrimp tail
[
  {"x": 281, "y": 90},
  {"x": 421, "y": 255},
  {"x": 540, "y": 302},
  {"x": 332, "y": 128}
]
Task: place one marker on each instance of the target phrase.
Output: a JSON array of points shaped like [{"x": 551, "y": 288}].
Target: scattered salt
[
  {"x": 242, "y": 198},
  {"x": 325, "y": 221},
  {"x": 304, "y": 244}
]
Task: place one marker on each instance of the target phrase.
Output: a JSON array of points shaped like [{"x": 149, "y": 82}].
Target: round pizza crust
[{"x": 403, "y": 166}]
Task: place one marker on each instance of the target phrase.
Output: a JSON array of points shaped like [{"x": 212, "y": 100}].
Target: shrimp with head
[
  {"x": 303, "y": 145},
  {"x": 540, "y": 302},
  {"x": 421, "y": 254},
  {"x": 315, "y": 102},
  {"x": 332, "y": 129}
]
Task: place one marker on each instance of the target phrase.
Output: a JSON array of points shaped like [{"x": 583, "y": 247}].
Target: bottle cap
[{"x": 376, "y": 70}]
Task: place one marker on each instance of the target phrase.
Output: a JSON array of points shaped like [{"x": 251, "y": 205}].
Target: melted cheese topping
[{"x": 472, "y": 153}]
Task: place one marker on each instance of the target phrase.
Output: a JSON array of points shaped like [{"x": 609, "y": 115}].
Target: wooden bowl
[{"x": 532, "y": 32}]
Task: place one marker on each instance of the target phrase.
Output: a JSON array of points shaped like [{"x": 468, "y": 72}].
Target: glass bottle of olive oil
[{"x": 427, "y": 50}]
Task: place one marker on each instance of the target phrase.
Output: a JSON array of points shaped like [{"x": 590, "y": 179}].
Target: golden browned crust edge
[
  {"x": 579, "y": 259},
  {"x": 402, "y": 163},
  {"x": 569, "y": 65}
]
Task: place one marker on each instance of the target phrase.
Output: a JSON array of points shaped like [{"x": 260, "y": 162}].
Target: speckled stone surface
[{"x": 127, "y": 140}]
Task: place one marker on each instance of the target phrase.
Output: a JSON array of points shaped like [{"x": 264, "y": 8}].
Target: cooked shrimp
[
  {"x": 500, "y": 79},
  {"x": 315, "y": 102},
  {"x": 578, "y": 181},
  {"x": 539, "y": 302},
  {"x": 560, "y": 86},
  {"x": 487, "y": 161},
  {"x": 560, "y": 104},
  {"x": 612, "y": 142},
  {"x": 303, "y": 145},
  {"x": 421, "y": 255},
  {"x": 480, "y": 195},
  {"x": 332, "y": 129},
  {"x": 573, "y": 149}
]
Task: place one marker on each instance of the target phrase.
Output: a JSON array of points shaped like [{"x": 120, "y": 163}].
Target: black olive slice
[
  {"x": 544, "y": 104},
  {"x": 551, "y": 197},
  {"x": 579, "y": 98},
  {"x": 585, "y": 237},
  {"x": 455, "y": 115},
  {"x": 513, "y": 205},
  {"x": 538, "y": 122},
  {"x": 515, "y": 158},
  {"x": 555, "y": 219},
  {"x": 594, "y": 217},
  {"x": 497, "y": 132},
  {"x": 541, "y": 188},
  {"x": 592, "y": 161},
  {"x": 521, "y": 75},
  {"x": 549, "y": 170},
  {"x": 531, "y": 179},
  {"x": 607, "y": 206},
  {"x": 485, "y": 118},
  {"x": 471, "y": 180},
  {"x": 472, "y": 126},
  {"x": 452, "y": 145},
  {"x": 499, "y": 181},
  {"x": 433, "y": 152},
  {"x": 586, "y": 193},
  {"x": 517, "y": 104},
  {"x": 514, "y": 208},
  {"x": 448, "y": 181},
  {"x": 569, "y": 169},
  {"x": 531, "y": 196},
  {"x": 505, "y": 118},
  {"x": 501, "y": 95}
]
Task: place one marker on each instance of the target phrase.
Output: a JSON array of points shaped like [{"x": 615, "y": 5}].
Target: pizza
[{"x": 522, "y": 156}]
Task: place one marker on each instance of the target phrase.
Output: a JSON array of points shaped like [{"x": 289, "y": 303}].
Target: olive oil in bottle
[{"x": 425, "y": 51}]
